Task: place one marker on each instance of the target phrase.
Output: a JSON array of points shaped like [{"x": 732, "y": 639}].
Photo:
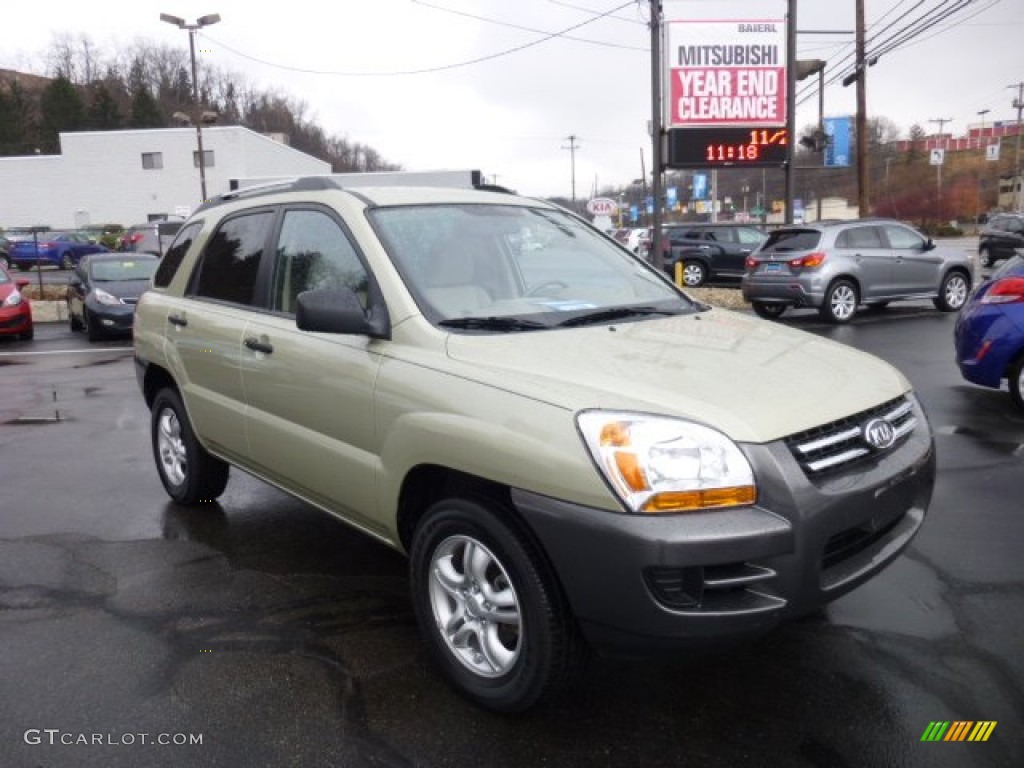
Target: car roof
[{"x": 372, "y": 196}]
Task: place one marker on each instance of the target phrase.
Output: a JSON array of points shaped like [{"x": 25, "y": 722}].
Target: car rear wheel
[
  {"x": 768, "y": 311},
  {"x": 694, "y": 274},
  {"x": 840, "y": 302},
  {"x": 189, "y": 474},
  {"x": 1016, "y": 381},
  {"x": 953, "y": 292},
  {"x": 492, "y": 612}
]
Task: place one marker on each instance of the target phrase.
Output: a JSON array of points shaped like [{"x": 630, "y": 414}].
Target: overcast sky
[{"x": 501, "y": 85}]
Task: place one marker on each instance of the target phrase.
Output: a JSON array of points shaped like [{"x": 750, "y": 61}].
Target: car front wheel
[
  {"x": 189, "y": 474},
  {"x": 1016, "y": 381},
  {"x": 840, "y": 302},
  {"x": 492, "y": 613},
  {"x": 953, "y": 292}
]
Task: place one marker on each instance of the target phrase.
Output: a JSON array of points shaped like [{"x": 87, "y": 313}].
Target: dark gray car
[{"x": 836, "y": 266}]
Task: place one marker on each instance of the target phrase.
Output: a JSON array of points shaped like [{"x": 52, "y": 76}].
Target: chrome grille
[{"x": 835, "y": 446}]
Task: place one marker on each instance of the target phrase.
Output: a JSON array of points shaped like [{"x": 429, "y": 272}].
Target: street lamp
[{"x": 198, "y": 119}]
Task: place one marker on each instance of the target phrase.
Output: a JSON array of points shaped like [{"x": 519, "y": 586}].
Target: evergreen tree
[
  {"x": 145, "y": 110},
  {"x": 61, "y": 109},
  {"x": 103, "y": 112}
]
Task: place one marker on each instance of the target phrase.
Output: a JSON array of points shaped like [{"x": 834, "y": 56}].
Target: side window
[
  {"x": 904, "y": 239},
  {"x": 859, "y": 237},
  {"x": 231, "y": 260},
  {"x": 314, "y": 252},
  {"x": 172, "y": 259},
  {"x": 749, "y": 236}
]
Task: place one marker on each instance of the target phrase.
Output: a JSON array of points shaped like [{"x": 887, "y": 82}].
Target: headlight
[
  {"x": 13, "y": 300},
  {"x": 660, "y": 464},
  {"x": 105, "y": 298}
]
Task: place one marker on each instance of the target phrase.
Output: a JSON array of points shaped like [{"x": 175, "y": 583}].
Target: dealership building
[{"x": 131, "y": 176}]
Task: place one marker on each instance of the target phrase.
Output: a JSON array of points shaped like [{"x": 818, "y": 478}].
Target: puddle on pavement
[{"x": 998, "y": 443}]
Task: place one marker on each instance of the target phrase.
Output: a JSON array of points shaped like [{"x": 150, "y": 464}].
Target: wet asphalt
[{"x": 273, "y": 635}]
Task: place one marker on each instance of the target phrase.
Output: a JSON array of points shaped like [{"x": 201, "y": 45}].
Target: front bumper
[
  {"x": 16, "y": 320},
  {"x": 645, "y": 582},
  {"x": 111, "y": 318}
]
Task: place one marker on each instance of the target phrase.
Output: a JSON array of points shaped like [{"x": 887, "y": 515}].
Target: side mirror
[
  {"x": 337, "y": 310},
  {"x": 929, "y": 244}
]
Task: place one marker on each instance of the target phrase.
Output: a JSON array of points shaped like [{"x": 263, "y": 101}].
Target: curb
[{"x": 49, "y": 311}]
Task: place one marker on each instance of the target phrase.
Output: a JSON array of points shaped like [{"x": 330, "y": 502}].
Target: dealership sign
[
  {"x": 602, "y": 206},
  {"x": 726, "y": 73}
]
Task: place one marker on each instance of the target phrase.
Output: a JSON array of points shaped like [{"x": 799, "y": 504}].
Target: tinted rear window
[{"x": 792, "y": 240}]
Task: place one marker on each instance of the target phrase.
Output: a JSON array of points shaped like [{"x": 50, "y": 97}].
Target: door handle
[
  {"x": 258, "y": 346},
  {"x": 178, "y": 320}
]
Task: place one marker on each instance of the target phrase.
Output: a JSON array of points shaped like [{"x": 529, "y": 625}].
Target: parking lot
[{"x": 260, "y": 632}]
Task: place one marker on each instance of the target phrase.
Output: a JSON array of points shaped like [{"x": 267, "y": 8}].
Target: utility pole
[
  {"x": 1018, "y": 103},
  {"x": 863, "y": 182},
  {"x": 657, "y": 257},
  {"x": 790, "y": 106},
  {"x": 573, "y": 146},
  {"x": 981, "y": 133}
]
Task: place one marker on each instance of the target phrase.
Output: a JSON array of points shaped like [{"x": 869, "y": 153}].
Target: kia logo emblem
[{"x": 879, "y": 434}]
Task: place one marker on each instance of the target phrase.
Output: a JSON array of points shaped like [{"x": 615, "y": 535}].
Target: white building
[{"x": 128, "y": 177}]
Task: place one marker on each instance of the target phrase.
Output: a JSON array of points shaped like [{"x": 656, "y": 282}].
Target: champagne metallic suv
[{"x": 573, "y": 453}]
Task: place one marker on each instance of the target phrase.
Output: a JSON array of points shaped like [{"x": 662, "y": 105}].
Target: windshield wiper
[
  {"x": 493, "y": 323},
  {"x": 616, "y": 313}
]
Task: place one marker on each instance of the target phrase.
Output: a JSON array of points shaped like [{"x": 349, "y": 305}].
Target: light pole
[{"x": 197, "y": 118}]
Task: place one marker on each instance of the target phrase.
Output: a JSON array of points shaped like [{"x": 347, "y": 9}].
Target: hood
[
  {"x": 123, "y": 289},
  {"x": 754, "y": 380}
]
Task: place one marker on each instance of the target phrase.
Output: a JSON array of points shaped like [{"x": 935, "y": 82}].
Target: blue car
[
  {"x": 59, "y": 249},
  {"x": 990, "y": 331}
]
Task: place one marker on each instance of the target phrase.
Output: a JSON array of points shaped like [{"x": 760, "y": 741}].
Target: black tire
[
  {"x": 92, "y": 328},
  {"x": 953, "y": 292},
  {"x": 534, "y": 649},
  {"x": 841, "y": 300},
  {"x": 73, "y": 322},
  {"x": 768, "y": 310},
  {"x": 66, "y": 261},
  {"x": 190, "y": 475},
  {"x": 695, "y": 273},
  {"x": 1016, "y": 381},
  {"x": 29, "y": 334}
]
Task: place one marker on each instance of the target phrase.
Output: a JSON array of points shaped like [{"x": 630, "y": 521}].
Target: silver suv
[
  {"x": 836, "y": 266},
  {"x": 573, "y": 453}
]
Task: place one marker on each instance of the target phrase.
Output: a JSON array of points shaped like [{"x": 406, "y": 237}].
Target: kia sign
[
  {"x": 602, "y": 206},
  {"x": 726, "y": 73}
]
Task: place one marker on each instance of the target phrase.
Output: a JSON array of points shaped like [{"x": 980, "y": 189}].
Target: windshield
[
  {"x": 480, "y": 267},
  {"x": 122, "y": 269},
  {"x": 792, "y": 240}
]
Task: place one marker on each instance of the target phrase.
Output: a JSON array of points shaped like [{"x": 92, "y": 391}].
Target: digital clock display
[{"x": 715, "y": 147}]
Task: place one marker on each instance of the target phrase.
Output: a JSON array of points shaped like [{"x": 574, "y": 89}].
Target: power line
[
  {"x": 522, "y": 28},
  {"x": 425, "y": 70}
]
